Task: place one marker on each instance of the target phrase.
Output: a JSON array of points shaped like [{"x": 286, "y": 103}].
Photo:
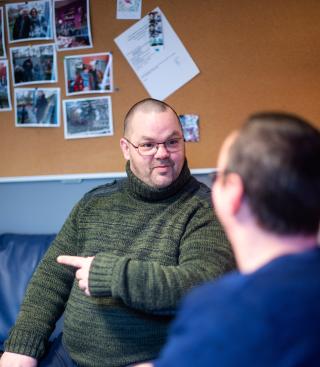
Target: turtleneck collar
[{"x": 140, "y": 189}]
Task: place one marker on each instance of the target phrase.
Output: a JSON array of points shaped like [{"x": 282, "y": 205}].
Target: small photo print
[
  {"x": 87, "y": 117},
  {"x": 129, "y": 9},
  {"x": 72, "y": 24},
  {"x": 33, "y": 64},
  {"x": 155, "y": 30},
  {"x": 29, "y": 21},
  {"x": 37, "y": 107},
  {"x": 190, "y": 127},
  {"x": 5, "y": 101},
  {"x": 3, "y": 54},
  {"x": 88, "y": 73}
]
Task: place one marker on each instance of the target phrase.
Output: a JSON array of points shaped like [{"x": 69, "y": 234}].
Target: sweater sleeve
[
  {"x": 46, "y": 295},
  {"x": 153, "y": 287}
]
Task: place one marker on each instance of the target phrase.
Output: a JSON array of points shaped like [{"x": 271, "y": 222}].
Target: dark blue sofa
[{"x": 19, "y": 256}]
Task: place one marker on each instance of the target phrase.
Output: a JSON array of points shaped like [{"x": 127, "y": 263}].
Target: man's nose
[{"x": 162, "y": 151}]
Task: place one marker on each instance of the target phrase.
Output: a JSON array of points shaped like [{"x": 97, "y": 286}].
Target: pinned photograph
[
  {"x": 129, "y": 9},
  {"x": 3, "y": 54},
  {"x": 29, "y": 21},
  {"x": 190, "y": 127},
  {"x": 90, "y": 73},
  {"x": 37, "y": 107},
  {"x": 87, "y": 117},
  {"x": 155, "y": 30},
  {"x": 72, "y": 24},
  {"x": 5, "y": 100},
  {"x": 33, "y": 64}
]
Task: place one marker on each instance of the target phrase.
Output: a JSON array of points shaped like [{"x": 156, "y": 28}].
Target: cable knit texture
[{"x": 150, "y": 246}]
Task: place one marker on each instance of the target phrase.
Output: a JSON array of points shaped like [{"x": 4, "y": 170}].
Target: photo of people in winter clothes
[
  {"x": 90, "y": 73},
  {"x": 30, "y": 20},
  {"x": 37, "y": 107},
  {"x": 33, "y": 64}
]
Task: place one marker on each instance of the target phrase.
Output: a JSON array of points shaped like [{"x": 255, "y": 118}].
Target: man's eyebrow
[{"x": 174, "y": 134}]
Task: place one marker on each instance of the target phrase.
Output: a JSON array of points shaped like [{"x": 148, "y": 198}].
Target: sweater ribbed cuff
[
  {"x": 100, "y": 275},
  {"x": 22, "y": 342}
]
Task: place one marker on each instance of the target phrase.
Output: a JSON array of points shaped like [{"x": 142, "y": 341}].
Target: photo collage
[{"x": 64, "y": 25}]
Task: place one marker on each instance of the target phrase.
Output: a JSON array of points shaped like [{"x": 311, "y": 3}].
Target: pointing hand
[{"x": 83, "y": 265}]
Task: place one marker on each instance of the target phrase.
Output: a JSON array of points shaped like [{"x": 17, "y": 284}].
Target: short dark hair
[
  {"x": 277, "y": 156},
  {"x": 147, "y": 105}
]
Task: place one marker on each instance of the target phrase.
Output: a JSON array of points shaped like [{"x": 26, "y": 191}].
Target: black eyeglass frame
[
  {"x": 214, "y": 175},
  {"x": 156, "y": 146}
]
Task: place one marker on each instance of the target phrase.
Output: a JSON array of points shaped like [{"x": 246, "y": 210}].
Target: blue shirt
[{"x": 269, "y": 318}]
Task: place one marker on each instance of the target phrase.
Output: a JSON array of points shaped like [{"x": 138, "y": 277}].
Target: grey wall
[{"x": 42, "y": 207}]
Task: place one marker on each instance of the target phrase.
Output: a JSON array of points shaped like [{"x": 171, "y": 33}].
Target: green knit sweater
[{"x": 150, "y": 246}]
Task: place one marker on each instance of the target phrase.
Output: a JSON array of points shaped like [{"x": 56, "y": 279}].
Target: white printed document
[{"x": 161, "y": 70}]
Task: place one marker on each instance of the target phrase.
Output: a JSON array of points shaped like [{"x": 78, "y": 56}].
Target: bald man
[{"x": 125, "y": 256}]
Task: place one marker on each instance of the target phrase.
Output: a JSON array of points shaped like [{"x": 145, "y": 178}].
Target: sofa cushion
[{"x": 19, "y": 256}]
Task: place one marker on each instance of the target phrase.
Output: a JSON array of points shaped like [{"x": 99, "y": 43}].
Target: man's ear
[
  {"x": 235, "y": 191},
  {"x": 125, "y": 149}
]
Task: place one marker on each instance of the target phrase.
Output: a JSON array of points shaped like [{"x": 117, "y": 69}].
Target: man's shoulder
[
  {"x": 200, "y": 191},
  {"x": 262, "y": 287},
  {"x": 104, "y": 190}
]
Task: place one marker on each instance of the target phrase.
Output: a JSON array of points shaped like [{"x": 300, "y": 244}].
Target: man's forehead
[
  {"x": 143, "y": 114},
  {"x": 144, "y": 120}
]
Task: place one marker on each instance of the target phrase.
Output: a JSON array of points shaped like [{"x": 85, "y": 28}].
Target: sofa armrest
[{"x": 19, "y": 257}]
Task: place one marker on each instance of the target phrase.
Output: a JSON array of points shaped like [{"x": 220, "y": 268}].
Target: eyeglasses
[
  {"x": 214, "y": 175},
  {"x": 149, "y": 148}
]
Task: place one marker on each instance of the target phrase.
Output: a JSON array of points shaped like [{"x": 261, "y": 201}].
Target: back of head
[
  {"x": 277, "y": 156},
  {"x": 146, "y": 105}
]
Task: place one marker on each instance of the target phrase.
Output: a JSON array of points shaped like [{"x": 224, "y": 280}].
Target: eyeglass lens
[{"x": 172, "y": 145}]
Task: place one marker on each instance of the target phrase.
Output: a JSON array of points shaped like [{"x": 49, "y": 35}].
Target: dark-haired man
[
  {"x": 267, "y": 196},
  {"x": 126, "y": 255}
]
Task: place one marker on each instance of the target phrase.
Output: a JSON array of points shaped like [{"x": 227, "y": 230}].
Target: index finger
[{"x": 75, "y": 261}]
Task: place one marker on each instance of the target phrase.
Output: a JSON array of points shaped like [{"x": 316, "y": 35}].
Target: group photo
[
  {"x": 91, "y": 73},
  {"x": 29, "y": 21},
  {"x": 34, "y": 64}
]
